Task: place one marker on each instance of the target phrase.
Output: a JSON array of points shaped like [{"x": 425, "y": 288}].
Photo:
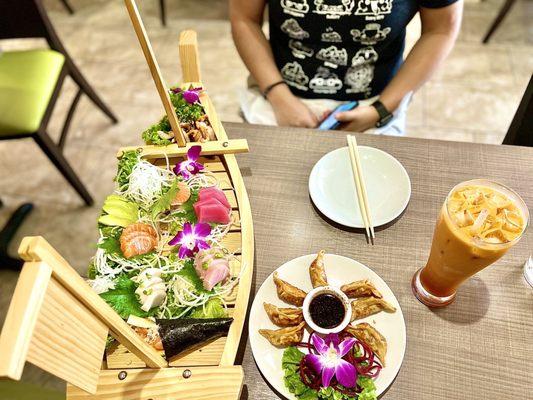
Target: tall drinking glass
[{"x": 478, "y": 223}]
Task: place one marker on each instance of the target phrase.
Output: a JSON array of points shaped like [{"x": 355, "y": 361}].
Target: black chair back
[
  {"x": 520, "y": 131},
  {"x": 22, "y": 19}
]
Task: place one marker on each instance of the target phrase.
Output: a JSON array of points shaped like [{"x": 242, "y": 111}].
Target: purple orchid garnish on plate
[
  {"x": 191, "y": 239},
  {"x": 329, "y": 363},
  {"x": 191, "y": 95},
  {"x": 190, "y": 166}
]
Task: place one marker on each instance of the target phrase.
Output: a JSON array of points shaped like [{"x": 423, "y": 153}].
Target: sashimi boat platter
[{"x": 163, "y": 308}]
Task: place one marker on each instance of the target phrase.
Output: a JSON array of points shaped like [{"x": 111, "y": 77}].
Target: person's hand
[
  {"x": 359, "y": 119},
  {"x": 290, "y": 110}
]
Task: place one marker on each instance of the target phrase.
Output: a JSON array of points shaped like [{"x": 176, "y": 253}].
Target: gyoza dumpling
[
  {"x": 363, "y": 288},
  {"x": 284, "y": 316},
  {"x": 317, "y": 272},
  {"x": 368, "y": 334},
  {"x": 287, "y": 292},
  {"x": 284, "y": 337},
  {"x": 366, "y": 306}
]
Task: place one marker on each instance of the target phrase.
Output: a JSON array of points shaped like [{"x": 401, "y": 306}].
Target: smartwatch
[{"x": 385, "y": 115}]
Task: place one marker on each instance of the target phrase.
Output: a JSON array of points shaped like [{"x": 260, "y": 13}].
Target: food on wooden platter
[
  {"x": 366, "y": 306},
  {"x": 178, "y": 335},
  {"x": 330, "y": 365},
  {"x": 172, "y": 272},
  {"x": 284, "y": 316},
  {"x": 137, "y": 239},
  {"x": 192, "y": 117}
]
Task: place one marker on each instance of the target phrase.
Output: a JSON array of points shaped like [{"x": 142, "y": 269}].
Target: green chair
[
  {"x": 30, "y": 83},
  {"x": 11, "y": 390}
]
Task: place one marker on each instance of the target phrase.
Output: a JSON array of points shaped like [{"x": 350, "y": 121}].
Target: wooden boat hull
[{"x": 57, "y": 322}]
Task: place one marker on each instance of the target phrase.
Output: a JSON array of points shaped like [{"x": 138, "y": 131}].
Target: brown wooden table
[{"x": 481, "y": 346}]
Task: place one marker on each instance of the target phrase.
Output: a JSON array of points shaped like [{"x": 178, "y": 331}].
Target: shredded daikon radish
[{"x": 146, "y": 183}]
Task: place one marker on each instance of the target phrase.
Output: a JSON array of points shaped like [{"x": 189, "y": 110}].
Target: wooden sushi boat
[{"x": 58, "y": 323}]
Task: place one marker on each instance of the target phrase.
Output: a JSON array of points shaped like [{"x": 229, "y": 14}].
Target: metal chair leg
[
  {"x": 68, "y": 119},
  {"x": 82, "y": 83},
  {"x": 67, "y": 5},
  {"x": 163, "y": 11},
  {"x": 58, "y": 159},
  {"x": 498, "y": 20},
  {"x": 6, "y": 236}
]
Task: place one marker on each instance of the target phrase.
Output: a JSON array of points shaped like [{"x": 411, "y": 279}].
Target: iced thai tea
[{"x": 478, "y": 223}]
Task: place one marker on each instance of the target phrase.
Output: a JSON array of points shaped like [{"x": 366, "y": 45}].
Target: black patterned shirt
[{"x": 341, "y": 49}]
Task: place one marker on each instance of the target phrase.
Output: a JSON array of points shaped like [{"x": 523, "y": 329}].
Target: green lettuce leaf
[
  {"x": 290, "y": 362},
  {"x": 124, "y": 300},
  {"x": 291, "y": 355},
  {"x": 125, "y": 165},
  {"x": 212, "y": 309},
  {"x": 150, "y": 135},
  {"x": 369, "y": 388},
  {"x": 165, "y": 201},
  {"x": 189, "y": 273}
]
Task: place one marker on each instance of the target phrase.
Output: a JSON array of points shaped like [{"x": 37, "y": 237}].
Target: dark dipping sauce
[{"x": 327, "y": 310}]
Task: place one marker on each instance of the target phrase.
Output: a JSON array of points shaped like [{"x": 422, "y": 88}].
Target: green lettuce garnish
[
  {"x": 125, "y": 165},
  {"x": 151, "y": 135},
  {"x": 212, "y": 309},
  {"x": 290, "y": 362},
  {"x": 124, "y": 300},
  {"x": 165, "y": 201}
]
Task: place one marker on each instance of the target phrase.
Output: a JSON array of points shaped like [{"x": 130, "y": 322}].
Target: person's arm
[
  {"x": 440, "y": 27},
  {"x": 254, "y": 48}
]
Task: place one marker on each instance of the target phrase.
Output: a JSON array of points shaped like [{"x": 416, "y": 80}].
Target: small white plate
[
  {"x": 332, "y": 187},
  {"x": 339, "y": 270}
]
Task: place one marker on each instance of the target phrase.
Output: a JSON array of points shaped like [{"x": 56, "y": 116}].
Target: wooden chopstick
[
  {"x": 360, "y": 186},
  {"x": 363, "y": 186}
]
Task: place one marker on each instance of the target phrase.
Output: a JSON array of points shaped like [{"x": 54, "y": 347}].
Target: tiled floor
[{"x": 472, "y": 98}]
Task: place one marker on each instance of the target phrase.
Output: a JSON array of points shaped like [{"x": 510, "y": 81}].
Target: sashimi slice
[
  {"x": 212, "y": 212},
  {"x": 211, "y": 201},
  {"x": 213, "y": 192},
  {"x": 217, "y": 272}
]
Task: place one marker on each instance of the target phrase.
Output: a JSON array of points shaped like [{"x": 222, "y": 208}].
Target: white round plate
[
  {"x": 332, "y": 186},
  {"x": 339, "y": 270}
]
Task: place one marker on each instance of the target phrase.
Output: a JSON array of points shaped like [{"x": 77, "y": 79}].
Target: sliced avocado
[
  {"x": 112, "y": 220},
  {"x": 120, "y": 213}
]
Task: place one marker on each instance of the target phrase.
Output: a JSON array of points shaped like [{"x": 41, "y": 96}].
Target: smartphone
[{"x": 331, "y": 122}]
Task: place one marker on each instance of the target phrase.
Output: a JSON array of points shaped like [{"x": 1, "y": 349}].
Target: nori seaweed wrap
[{"x": 178, "y": 335}]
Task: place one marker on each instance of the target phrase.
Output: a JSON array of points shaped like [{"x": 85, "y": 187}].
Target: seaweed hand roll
[{"x": 178, "y": 335}]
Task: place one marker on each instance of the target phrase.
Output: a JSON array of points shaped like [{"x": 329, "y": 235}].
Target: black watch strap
[{"x": 385, "y": 116}]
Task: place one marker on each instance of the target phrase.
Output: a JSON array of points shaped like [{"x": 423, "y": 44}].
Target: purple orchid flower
[
  {"x": 192, "y": 238},
  {"x": 190, "y": 166},
  {"x": 329, "y": 361},
  {"x": 190, "y": 95}
]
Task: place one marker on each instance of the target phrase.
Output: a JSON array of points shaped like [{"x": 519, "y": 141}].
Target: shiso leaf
[
  {"x": 165, "y": 201},
  {"x": 124, "y": 300},
  {"x": 189, "y": 274}
]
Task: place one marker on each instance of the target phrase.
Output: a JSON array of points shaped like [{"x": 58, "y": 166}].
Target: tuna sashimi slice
[
  {"x": 212, "y": 212},
  {"x": 211, "y": 201},
  {"x": 213, "y": 192}
]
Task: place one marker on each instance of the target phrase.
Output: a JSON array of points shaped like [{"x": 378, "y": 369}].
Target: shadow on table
[
  {"x": 356, "y": 230},
  {"x": 470, "y": 305}
]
